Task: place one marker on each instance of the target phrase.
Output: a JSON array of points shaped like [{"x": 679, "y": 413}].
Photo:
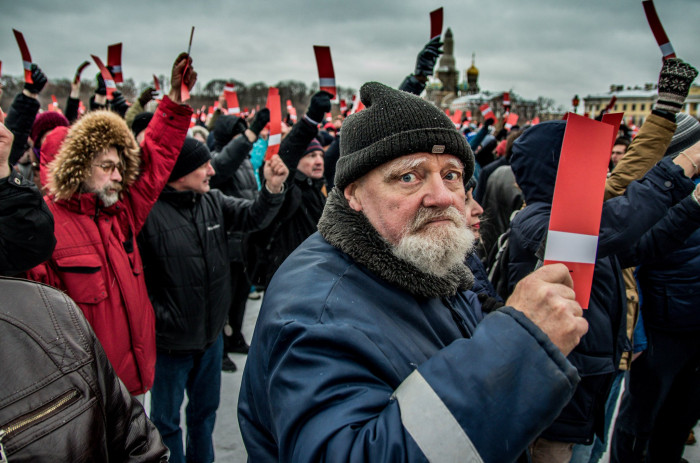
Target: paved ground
[{"x": 227, "y": 438}]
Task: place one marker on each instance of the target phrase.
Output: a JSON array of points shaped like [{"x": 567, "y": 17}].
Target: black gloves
[
  {"x": 260, "y": 120},
  {"x": 318, "y": 107},
  {"x": 146, "y": 96},
  {"x": 118, "y": 103},
  {"x": 674, "y": 83},
  {"x": 239, "y": 126},
  {"x": 39, "y": 79},
  {"x": 101, "y": 87},
  {"x": 427, "y": 58},
  {"x": 489, "y": 122}
]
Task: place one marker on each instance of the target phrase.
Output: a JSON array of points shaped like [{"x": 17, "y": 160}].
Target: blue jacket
[
  {"x": 346, "y": 366},
  {"x": 634, "y": 226}
]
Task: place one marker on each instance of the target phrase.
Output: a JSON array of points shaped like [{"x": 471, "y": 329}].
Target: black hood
[
  {"x": 535, "y": 160},
  {"x": 223, "y": 131}
]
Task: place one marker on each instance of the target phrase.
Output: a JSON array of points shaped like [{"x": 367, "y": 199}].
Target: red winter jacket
[{"x": 97, "y": 261}]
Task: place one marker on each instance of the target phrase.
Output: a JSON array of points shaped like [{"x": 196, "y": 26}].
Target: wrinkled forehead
[
  {"x": 415, "y": 160},
  {"x": 110, "y": 154}
]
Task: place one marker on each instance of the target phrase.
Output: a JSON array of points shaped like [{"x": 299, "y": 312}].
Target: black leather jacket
[{"x": 60, "y": 399}]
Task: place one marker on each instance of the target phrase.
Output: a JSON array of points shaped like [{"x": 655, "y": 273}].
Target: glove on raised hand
[
  {"x": 39, "y": 79},
  {"x": 425, "y": 62},
  {"x": 146, "y": 96},
  {"x": 118, "y": 103},
  {"x": 101, "y": 86},
  {"x": 674, "y": 83},
  {"x": 260, "y": 120},
  {"x": 320, "y": 105}
]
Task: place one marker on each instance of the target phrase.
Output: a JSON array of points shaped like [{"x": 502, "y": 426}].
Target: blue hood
[{"x": 535, "y": 160}]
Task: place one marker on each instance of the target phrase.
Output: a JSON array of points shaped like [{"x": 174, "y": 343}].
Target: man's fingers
[{"x": 555, "y": 273}]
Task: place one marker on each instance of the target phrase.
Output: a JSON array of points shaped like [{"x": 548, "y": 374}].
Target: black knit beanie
[
  {"x": 140, "y": 122},
  {"x": 686, "y": 135},
  {"x": 394, "y": 124},
  {"x": 193, "y": 154}
]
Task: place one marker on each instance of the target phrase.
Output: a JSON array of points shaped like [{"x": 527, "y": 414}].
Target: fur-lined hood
[
  {"x": 351, "y": 232},
  {"x": 87, "y": 138}
]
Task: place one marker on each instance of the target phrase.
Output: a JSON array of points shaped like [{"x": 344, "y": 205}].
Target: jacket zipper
[{"x": 38, "y": 415}]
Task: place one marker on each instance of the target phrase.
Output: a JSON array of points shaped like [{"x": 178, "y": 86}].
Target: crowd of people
[{"x": 406, "y": 314}]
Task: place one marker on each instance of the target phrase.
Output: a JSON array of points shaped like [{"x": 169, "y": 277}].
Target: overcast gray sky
[{"x": 552, "y": 48}]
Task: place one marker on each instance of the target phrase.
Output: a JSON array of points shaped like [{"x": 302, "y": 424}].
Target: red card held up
[
  {"x": 658, "y": 30},
  {"x": 435, "y": 23},
  {"x": 26, "y": 57},
  {"x": 275, "y": 137},
  {"x": 574, "y": 223},
  {"x": 114, "y": 60},
  {"x": 326, "y": 75}
]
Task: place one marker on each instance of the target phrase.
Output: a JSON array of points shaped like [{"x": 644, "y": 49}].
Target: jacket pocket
[{"x": 82, "y": 278}]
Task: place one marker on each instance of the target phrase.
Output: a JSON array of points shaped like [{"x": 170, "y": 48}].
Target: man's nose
[
  {"x": 116, "y": 176},
  {"x": 437, "y": 194}
]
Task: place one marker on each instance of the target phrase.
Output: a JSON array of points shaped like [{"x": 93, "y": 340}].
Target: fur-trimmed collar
[{"x": 351, "y": 232}]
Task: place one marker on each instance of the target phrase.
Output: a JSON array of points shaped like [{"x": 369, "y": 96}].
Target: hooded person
[
  {"x": 645, "y": 223},
  {"x": 49, "y": 150},
  {"x": 368, "y": 336},
  {"x": 186, "y": 263},
  {"x": 101, "y": 189}
]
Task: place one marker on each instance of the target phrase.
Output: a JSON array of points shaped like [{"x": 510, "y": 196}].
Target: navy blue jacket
[
  {"x": 345, "y": 366},
  {"x": 634, "y": 226}
]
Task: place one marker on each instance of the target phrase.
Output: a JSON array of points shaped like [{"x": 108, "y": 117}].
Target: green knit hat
[{"x": 395, "y": 124}]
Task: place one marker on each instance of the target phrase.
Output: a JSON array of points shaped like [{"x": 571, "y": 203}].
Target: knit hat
[
  {"x": 44, "y": 122},
  {"x": 193, "y": 154},
  {"x": 686, "y": 135},
  {"x": 395, "y": 124},
  {"x": 140, "y": 123},
  {"x": 313, "y": 146}
]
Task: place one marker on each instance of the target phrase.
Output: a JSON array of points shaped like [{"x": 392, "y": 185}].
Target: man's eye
[
  {"x": 408, "y": 178},
  {"x": 452, "y": 176}
]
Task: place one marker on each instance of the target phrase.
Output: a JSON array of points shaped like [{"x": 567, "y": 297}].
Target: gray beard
[
  {"x": 435, "y": 251},
  {"x": 108, "y": 199}
]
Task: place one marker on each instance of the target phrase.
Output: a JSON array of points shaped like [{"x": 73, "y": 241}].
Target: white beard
[{"x": 435, "y": 250}]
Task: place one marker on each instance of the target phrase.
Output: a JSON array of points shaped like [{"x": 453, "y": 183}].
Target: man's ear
[{"x": 351, "y": 193}]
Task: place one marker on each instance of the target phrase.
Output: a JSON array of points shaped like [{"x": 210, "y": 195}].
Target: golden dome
[{"x": 473, "y": 71}]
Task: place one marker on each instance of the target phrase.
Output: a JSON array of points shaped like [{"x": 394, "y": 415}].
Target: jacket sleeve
[
  {"x": 479, "y": 137},
  {"x": 72, "y": 107},
  {"x": 479, "y": 399},
  {"x": 626, "y": 218},
  {"x": 26, "y": 226},
  {"x": 293, "y": 145},
  {"x": 229, "y": 159},
  {"x": 165, "y": 136},
  {"x": 19, "y": 120},
  {"x": 668, "y": 235},
  {"x": 647, "y": 148},
  {"x": 134, "y": 110},
  {"x": 250, "y": 215}
]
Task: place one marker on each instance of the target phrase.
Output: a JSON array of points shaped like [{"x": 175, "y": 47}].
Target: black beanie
[
  {"x": 193, "y": 154},
  {"x": 394, "y": 124},
  {"x": 140, "y": 122}
]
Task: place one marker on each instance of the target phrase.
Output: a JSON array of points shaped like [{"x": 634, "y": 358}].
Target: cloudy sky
[{"x": 552, "y": 48}]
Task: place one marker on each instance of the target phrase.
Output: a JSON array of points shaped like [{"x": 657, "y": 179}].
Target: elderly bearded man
[{"x": 367, "y": 346}]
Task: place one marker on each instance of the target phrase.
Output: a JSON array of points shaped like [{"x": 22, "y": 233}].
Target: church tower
[
  {"x": 446, "y": 70},
  {"x": 472, "y": 78}
]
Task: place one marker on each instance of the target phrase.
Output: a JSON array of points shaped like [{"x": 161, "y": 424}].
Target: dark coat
[
  {"x": 631, "y": 228},
  {"x": 19, "y": 120},
  {"x": 186, "y": 262}
]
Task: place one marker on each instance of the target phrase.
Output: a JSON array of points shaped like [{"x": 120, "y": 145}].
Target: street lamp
[{"x": 575, "y": 101}]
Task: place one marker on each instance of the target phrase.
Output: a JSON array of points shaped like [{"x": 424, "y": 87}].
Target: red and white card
[
  {"x": 511, "y": 120},
  {"x": 357, "y": 105},
  {"x": 156, "y": 86},
  {"x": 292, "y": 111},
  {"x": 436, "y": 23},
  {"x": 184, "y": 91},
  {"x": 109, "y": 80},
  {"x": 574, "y": 224},
  {"x": 274, "y": 105},
  {"x": 79, "y": 71},
  {"x": 114, "y": 60},
  {"x": 658, "y": 30},
  {"x": 486, "y": 112},
  {"x": 26, "y": 57},
  {"x": 231, "y": 98},
  {"x": 326, "y": 75},
  {"x": 506, "y": 99}
]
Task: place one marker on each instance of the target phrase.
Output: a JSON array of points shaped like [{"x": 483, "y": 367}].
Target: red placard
[
  {"x": 658, "y": 30},
  {"x": 511, "y": 120},
  {"x": 535, "y": 120},
  {"x": 275, "y": 137},
  {"x": 326, "y": 75},
  {"x": 613, "y": 119},
  {"x": 109, "y": 81},
  {"x": 574, "y": 223},
  {"x": 26, "y": 57},
  {"x": 79, "y": 71},
  {"x": 435, "y": 23},
  {"x": 184, "y": 91},
  {"x": 114, "y": 60},
  {"x": 231, "y": 98},
  {"x": 457, "y": 117},
  {"x": 292, "y": 111},
  {"x": 506, "y": 99},
  {"x": 486, "y": 112},
  {"x": 357, "y": 105}
]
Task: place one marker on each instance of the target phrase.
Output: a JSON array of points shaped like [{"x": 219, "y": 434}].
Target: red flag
[
  {"x": 435, "y": 23},
  {"x": 184, "y": 91},
  {"x": 326, "y": 75},
  {"x": 574, "y": 223},
  {"x": 26, "y": 57},
  {"x": 79, "y": 71},
  {"x": 109, "y": 81},
  {"x": 486, "y": 112},
  {"x": 658, "y": 30},
  {"x": 114, "y": 60},
  {"x": 274, "y": 105},
  {"x": 292, "y": 111},
  {"x": 231, "y": 98}
]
